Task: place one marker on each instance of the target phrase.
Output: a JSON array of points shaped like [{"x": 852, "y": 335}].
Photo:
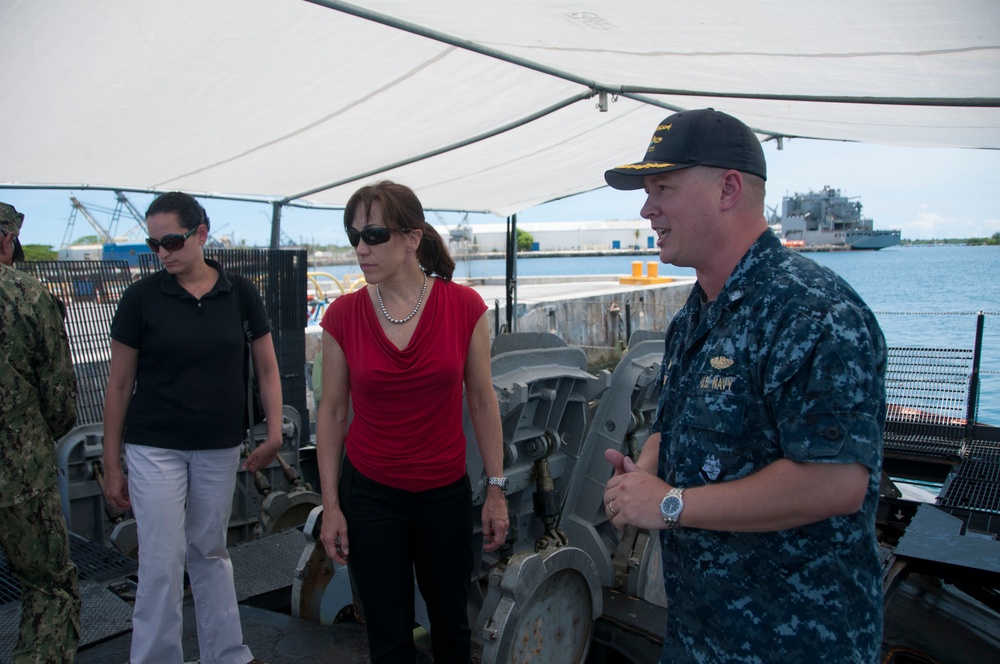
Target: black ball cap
[{"x": 702, "y": 137}]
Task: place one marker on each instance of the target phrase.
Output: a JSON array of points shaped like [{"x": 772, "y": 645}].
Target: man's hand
[{"x": 632, "y": 496}]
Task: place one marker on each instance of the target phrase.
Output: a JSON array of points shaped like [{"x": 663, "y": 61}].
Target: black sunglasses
[
  {"x": 171, "y": 242},
  {"x": 372, "y": 235}
]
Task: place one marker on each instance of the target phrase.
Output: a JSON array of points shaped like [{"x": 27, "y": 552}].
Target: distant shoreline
[{"x": 348, "y": 258}]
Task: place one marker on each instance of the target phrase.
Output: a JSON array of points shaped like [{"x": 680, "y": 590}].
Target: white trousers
[{"x": 175, "y": 492}]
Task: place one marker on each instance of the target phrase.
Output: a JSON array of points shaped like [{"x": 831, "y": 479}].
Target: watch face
[{"x": 671, "y": 506}]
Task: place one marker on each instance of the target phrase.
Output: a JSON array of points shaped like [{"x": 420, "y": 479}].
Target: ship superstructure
[{"x": 826, "y": 218}]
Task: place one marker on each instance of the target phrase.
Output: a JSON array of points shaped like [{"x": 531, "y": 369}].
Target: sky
[{"x": 927, "y": 193}]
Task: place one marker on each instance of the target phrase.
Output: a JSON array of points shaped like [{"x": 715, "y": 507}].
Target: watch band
[
  {"x": 671, "y": 507},
  {"x": 501, "y": 482}
]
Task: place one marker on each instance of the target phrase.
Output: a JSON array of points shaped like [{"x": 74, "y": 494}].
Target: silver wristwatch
[
  {"x": 501, "y": 482},
  {"x": 671, "y": 507}
]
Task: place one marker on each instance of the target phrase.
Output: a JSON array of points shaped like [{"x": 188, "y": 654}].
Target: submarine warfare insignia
[{"x": 720, "y": 363}]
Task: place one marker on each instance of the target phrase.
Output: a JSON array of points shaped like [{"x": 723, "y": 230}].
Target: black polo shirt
[{"x": 189, "y": 390}]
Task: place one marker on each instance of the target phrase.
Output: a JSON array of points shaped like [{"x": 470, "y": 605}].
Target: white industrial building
[{"x": 564, "y": 235}]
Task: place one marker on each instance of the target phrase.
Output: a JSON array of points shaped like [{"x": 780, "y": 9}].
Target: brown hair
[
  {"x": 402, "y": 209},
  {"x": 189, "y": 211}
]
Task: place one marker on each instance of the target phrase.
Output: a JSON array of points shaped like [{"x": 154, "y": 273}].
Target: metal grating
[
  {"x": 930, "y": 398},
  {"x": 93, "y": 563},
  {"x": 928, "y": 403},
  {"x": 923, "y": 446},
  {"x": 975, "y": 483},
  {"x": 99, "y": 563},
  {"x": 263, "y": 565},
  {"x": 965, "y": 493},
  {"x": 10, "y": 589},
  {"x": 927, "y": 391},
  {"x": 979, "y": 522},
  {"x": 90, "y": 291}
]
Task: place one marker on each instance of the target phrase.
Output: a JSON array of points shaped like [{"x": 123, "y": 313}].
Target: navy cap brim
[{"x": 632, "y": 176}]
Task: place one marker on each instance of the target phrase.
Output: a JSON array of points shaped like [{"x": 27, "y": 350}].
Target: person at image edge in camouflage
[
  {"x": 762, "y": 469},
  {"x": 37, "y": 407},
  {"x": 10, "y": 228}
]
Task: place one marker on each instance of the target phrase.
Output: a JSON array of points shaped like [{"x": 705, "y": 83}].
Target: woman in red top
[{"x": 396, "y": 496}]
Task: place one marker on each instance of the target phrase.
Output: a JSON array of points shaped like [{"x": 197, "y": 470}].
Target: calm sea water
[{"x": 924, "y": 296}]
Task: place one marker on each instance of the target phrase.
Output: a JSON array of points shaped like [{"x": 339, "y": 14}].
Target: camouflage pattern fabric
[
  {"x": 37, "y": 406},
  {"x": 788, "y": 362},
  {"x": 10, "y": 219},
  {"x": 33, "y": 535},
  {"x": 37, "y": 385}
]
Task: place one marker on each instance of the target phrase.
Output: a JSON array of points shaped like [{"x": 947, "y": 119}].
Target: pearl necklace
[{"x": 400, "y": 321}]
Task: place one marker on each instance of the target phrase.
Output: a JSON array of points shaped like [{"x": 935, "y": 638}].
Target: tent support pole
[
  {"x": 448, "y": 148},
  {"x": 275, "y": 224},
  {"x": 629, "y": 90},
  {"x": 511, "y": 277}
]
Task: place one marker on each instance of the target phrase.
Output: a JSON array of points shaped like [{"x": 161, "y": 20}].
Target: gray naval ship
[{"x": 828, "y": 219}]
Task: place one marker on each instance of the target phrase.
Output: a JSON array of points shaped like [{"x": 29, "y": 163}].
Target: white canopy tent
[{"x": 479, "y": 106}]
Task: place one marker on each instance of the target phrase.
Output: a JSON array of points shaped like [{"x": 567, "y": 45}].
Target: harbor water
[{"x": 924, "y": 296}]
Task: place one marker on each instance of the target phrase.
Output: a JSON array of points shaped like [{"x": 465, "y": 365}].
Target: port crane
[
  {"x": 123, "y": 203},
  {"x": 461, "y": 234},
  {"x": 103, "y": 236}
]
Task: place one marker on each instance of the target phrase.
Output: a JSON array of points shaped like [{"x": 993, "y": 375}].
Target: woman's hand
[
  {"x": 496, "y": 519},
  {"x": 263, "y": 455},
  {"x": 115, "y": 488},
  {"x": 333, "y": 534}
]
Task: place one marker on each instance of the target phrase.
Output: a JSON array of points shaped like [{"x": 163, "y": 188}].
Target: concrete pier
[{"x": 585, "y": 310}]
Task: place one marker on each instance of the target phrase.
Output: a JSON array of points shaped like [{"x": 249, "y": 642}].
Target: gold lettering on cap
[
  {"x": 664, "y": 127},
  {"x": 644, "y": 165}
]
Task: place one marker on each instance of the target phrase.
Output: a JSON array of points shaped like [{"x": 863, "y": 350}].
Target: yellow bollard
[{"x": 652, "y": 276}]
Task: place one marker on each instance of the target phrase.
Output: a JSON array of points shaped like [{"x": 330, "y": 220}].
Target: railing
[
  {"x": 90, "y": 291},
  {"x": 932, "y": 433}
]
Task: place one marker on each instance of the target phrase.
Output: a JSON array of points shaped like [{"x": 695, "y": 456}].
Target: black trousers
[{"x": 394, "y": 534}]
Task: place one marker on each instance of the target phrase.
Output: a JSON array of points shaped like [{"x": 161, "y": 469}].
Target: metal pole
[
  {"x": 275, "y": 224},
  {"x": 972, "y": 407},
  {"x": 511, "y": 277},
  {"x": 630, "y": 90},
  {"x": 628, "y": 321},
  {"x": 482, "y": 136}
]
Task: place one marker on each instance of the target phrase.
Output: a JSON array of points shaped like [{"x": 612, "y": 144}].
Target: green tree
[
  {"x": 39, "y": 252},
  {"x": 524, "y": 240},
  {"x": 993, "y": 240}
]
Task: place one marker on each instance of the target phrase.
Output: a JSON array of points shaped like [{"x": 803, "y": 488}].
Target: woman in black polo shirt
[{"x": 176, "y": 397}]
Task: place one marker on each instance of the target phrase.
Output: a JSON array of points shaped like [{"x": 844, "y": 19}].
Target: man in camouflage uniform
[
  {"x": 10, "y": 245},
  {"x": 37, "y": 406},
  {"x": 763, "y": 467}
]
